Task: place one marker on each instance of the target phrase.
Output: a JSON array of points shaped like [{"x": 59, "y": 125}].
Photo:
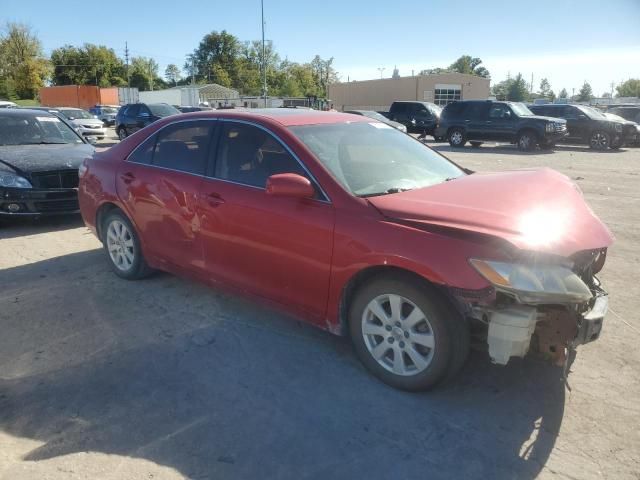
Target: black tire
[
  {"x": 599, "y": 140},
  {"x": 138, "y": 268},
  {"x": 527, "y": 141},
  {"x": 457, "y": 137},
  {"x": 122, "y": 133},
  {"x": 450, "y": 331},
  {"x": 475, "y": 144}
]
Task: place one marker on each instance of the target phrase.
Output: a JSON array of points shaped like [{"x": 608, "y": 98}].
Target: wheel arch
[{"x": 362, "y": 277}]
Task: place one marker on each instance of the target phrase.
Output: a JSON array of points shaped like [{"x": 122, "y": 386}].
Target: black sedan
[{"x": 39, "y": 159}]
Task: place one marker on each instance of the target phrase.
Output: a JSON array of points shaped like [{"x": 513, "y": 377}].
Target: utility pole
[
  {"x": 612, "y": 85},
  {"x": 264, "y": 59},
  {"x": 531, "y": 88},
  {"x": 126, "y": 56}
]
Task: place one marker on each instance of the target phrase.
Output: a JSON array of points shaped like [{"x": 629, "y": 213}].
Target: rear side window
[
  {"x": 144, "y": 152},
  {"x": 453, "y": 109},
  {"x": 399, "y": 107},
  {"x": 184, "y": 146},
  {"x": 133, "y": 110},
  {"x": 475, "y": 110}
]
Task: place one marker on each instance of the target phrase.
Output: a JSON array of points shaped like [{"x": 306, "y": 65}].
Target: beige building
[{"x": 380, "y": 94}]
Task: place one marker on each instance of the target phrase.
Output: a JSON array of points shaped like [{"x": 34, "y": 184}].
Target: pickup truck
[{"x": 418, "y": 117}]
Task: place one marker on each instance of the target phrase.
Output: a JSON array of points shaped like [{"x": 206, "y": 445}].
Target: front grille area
[
  {"x": 69, "y": 205},
  {"x": 561, "y": 127},
  {"x": 55, "y": 179}
]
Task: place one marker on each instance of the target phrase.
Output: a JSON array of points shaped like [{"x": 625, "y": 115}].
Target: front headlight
[
  {"x": 534, "y": 283},
  {"x": 13, "y": 181}
]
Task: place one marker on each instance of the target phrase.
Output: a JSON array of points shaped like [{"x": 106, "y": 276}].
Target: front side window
[
  {"x": 370, "y": 159},
  {"x": 184, "y": 146},
  {"x": 249, "y": 155},
  {"x": 499, "y": 111}
]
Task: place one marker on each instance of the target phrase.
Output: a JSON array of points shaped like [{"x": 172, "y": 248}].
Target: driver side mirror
[{"x": 290, "y": 185}]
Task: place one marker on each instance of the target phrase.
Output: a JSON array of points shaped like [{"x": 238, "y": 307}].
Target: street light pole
[
  {"x": 264, "y": 59},
  {"x": 381, "y": 69}
]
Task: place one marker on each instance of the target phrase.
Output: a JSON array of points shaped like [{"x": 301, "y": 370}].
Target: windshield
[
  {"x": 162, "y": 109},
  {"x": 374, "y": 115},
  {"x": 591, "y": 112},
  {"x": 521, "y": 109},
  {"x": 434, "y": 108},
  {"x": 617, "y": 118},
  {"x": 27, "y": 130},
  {"x": 371, "y": 159},
  {"x": 73, "y": 114},
  {"x": 109, "y": 110}
]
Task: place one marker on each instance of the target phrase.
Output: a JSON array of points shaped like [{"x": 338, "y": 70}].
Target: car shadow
[
  {"x": 11, "y": 227},
  {"x": 213, "y": 386},
  {"x": 492, "y": 148}
]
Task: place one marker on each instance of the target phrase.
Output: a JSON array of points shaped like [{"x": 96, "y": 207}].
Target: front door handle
[
  {"x": 127, "y": 177},
  {"x": 215, "y": 199}
]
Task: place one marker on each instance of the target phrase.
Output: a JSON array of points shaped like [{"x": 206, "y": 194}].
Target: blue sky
[{"x": 566, "y": 41}]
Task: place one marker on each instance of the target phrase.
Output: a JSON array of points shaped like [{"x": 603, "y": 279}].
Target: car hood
[
  {"x": 39, "y": 158},
  {"x": 546, "y": 119},
  {"x": 534, "y": 210},
  {"x": 87, "y": 121}
]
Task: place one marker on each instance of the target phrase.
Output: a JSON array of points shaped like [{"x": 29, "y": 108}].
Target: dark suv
[
  {"x": 588, "y": 125},
  {"x": 480, "y": 120},
  {"x": 134, "y": 116},
  {"x": 418, "y": 117},
  {"x": 629, "y": 112}
]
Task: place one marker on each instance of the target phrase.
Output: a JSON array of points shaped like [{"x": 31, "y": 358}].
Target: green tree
[
  {"x": 434, "y": 71},
  {"x": 222, "y": 49},
  {"x": 87, "y": 65},
  {"x": 500, "y": 90},
  {"x": 144, "y": 74},
  {"x": 517, "y": 90},
  {"x": 23, "y": 70},
  {"x": 630, "y": 88},
  {"x": 586, "y": 93},
  {"x": 563, "y": 93},
  {"x": 545, "y": 90},
  {"x": 172, "y": 73},
  {"x": 469, "y": 65}
]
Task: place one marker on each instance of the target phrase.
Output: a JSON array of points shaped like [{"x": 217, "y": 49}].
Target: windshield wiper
[{"x": 386, "y": 192}]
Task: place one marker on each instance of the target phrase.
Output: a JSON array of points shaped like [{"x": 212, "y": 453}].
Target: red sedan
[{"x": 358, "y": 229}]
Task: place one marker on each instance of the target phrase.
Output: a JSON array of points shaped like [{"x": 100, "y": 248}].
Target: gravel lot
[{"x": 167, "y": 379}]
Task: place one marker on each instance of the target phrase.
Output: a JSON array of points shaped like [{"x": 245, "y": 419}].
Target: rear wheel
[
  {"x": 475, "y": 144},
  {"x": 599, "y": 140},
  {"x": 405, "y": 334},
  {"x": 122, "y": 245},
  {"x": 527, "y": 141},
  {"x": 457, "y": 137},
  {"x": 122, "y": 133}
]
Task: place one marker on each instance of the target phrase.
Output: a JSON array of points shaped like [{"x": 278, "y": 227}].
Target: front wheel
[
  {"x": 600, "y": 140},
  {"x": 122, "y": 245},
  {"x": 457, "y": 138},
  {"x": 527, "y": 141},
  {"x": 405, "y": 334}
]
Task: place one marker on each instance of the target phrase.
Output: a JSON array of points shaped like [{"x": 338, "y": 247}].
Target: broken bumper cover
[{"x": 590, "y": 324}]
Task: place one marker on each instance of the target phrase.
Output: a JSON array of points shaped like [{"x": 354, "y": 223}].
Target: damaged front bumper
[{"x": 514, "y": 329}]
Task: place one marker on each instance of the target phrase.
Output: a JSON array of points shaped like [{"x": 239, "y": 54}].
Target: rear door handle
[
  {"x": 127, "y": 177},
  {"x": 214, "y": 199}
]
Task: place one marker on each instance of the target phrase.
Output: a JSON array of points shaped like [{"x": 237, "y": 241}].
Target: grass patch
[{"x": 28, "y": 103}]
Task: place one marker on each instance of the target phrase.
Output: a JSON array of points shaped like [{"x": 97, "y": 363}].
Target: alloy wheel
[
  {"x": 398, "y": 334},
  {"x": 525, "y": 142},
  {"x": 120, "y": 245},
  {"x": 122, "y": 134},
  {"x": 599, "y": 141}
]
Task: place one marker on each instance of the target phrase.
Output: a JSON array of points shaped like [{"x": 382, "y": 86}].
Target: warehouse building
[{"x": 378, "y": 95}]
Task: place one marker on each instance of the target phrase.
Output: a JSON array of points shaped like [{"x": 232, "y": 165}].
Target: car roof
[
  {"x": 287, "y": 117},
  {"x": 25, "y": 112}
]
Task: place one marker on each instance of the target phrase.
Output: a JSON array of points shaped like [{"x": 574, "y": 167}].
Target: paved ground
[{"x": 164, "y": 378}]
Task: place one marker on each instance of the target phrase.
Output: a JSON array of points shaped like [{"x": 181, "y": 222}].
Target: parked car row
[{"x": 529, "y": 127}]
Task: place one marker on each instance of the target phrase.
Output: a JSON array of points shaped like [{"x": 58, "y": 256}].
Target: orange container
[{"x": 79, "y": 96}]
